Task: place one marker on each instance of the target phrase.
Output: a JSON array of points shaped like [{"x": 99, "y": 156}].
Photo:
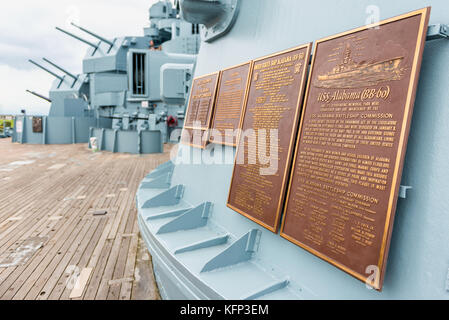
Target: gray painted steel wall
[
  {"x": 57, "y": 130},
  {"x": 418, "y": 265},
  {"x": 136, "y": 142}
]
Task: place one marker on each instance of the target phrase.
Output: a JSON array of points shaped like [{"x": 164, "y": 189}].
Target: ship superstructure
[{"x": 132, "y": 92}]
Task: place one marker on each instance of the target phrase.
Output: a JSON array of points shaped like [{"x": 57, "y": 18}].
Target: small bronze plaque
[
  {"x": 351, "y": 144},
  {"x": 201, "y": 102},
  {"x": 37, "y": 124},
  {"x": 231, "y": 94},
  {"x": 269, "y": 125}
]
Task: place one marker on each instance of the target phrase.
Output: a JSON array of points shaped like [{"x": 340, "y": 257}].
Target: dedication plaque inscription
[
  {"x": 351, "y": 144},
  {"x": 269, "y": 125},
  {"x": 231, "y": 94},
  {"x": 201, "y": 102}
]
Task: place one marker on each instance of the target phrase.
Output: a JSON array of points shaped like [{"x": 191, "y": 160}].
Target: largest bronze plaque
[
  {"x": 271, "y": 118},
  {"x": 201, "y": 102},
  {"x": 352, "y": 140}
]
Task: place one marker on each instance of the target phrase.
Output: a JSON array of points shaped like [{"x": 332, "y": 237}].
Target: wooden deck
[{"x": 52, "y": 246}]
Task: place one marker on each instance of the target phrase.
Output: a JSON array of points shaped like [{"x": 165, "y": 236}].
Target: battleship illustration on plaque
[{"x": 351, "y": 74}]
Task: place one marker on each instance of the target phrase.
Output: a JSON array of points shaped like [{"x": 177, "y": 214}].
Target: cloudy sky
[{"x": 27, "y": 31}]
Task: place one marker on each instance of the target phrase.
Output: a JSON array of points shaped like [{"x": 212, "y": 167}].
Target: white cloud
[
  {"x": 13, "y": 83},
  {"x": 27, "y": 30}
]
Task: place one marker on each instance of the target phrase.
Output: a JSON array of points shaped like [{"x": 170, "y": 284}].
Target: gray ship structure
[{"x": 131, "y": 95}]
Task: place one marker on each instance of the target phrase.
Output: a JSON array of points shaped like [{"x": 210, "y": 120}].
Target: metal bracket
[
  {"x": 192, "y": 219},
  {"x": 278, "y": 285},
  {"x": 403, "y": 191},
  {"x": 168, "y": 214},
  {"x": 170, "y": 197},
  {"x": 240, "y": 251},
  {"x": 162, "y": 169},
  {"x": 217, "y": 241},
  {"x": 252, "y": 244},
  {"x": 161, "y": 182},
  {"x": 437, "y": 31}
]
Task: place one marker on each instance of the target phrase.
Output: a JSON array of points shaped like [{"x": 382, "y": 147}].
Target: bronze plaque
[
  {"x": 351, "y": 144},
  {"x": 194, "y": 137},
  {"x": 231, "y": 94},
  {"x": 201, "y": 102},
  {"x": 37, "y": 124},
  {"x": 269, "y": 127}
]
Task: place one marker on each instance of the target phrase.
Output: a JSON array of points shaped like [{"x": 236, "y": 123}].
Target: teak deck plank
[
  {"x": 67, "y": 183},
  {"x": 49, "y": 278},
  {"x": 30, "y": 268},
  {"x": 55, "y": 288}
]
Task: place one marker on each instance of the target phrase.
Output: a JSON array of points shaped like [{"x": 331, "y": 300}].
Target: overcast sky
[{"x": 27, "y": 31}]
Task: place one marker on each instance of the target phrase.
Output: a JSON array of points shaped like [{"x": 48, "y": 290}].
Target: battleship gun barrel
[
  {"x": 38, "y": 95},
  {"x": 45, "y": 69},
  {"x": 93, "y": 34},
  {"x": 61, "y": 69},
  {"x": 120, "y": 118},
  {"x": 78, "y": 38}
]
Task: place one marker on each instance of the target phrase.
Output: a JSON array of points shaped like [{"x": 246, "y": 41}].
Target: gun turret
[
  {"x": 38, "y": 95},
  {"x": 93, "y": 34},
  {"x": 61, "y": 69},
  {"x": 78, "y": 38},
  {"x": 45, "y": 69}
]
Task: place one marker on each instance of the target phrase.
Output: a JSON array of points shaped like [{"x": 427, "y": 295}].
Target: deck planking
[{"x": 52, "y": 191}]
